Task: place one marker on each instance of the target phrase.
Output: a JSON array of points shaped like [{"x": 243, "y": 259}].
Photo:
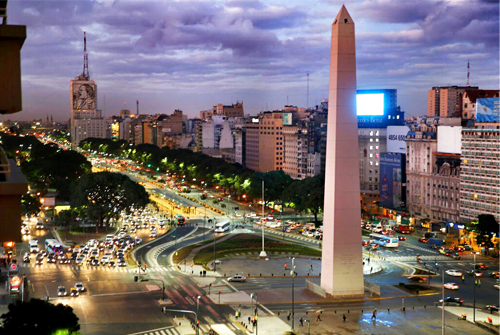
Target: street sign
[{"x": 13, "y": 268}]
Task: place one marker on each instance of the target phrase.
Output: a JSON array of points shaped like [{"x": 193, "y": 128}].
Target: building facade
[
  {"x": 446, "y": 101},
  {"x": 480, "y": 172}
]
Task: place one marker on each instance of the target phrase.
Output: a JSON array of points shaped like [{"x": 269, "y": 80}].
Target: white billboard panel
[
  {"x": 396, "y": 139},
  {"x": 449, "y": 139}
]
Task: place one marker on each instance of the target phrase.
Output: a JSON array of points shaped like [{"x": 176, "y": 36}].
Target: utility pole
[
  {"x": 263, "y": 252},
  {"x": 293, "y": 292},
  {"x": 442, "y": 312}
]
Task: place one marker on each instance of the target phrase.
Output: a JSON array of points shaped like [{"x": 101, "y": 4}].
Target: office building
[{"x": 446, "y": 101}]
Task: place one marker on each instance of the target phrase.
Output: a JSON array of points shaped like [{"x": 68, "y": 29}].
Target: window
[
  {"x": 371, "y": 147},
  {"x": 376, "y": 140},
  {"x": 376, "y": 147},
  {"x": 371, "y": 155},
  {"x": 371, "y": 139},
  {"x": 371, "y": 163},
  {"x": 371, "y": 133}
]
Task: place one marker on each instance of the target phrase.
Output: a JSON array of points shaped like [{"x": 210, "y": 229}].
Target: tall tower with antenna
[
  {"x": 86, "y": 120},
  {"x": 468, "y": 73},
  {"x": 307, "y": 103}
]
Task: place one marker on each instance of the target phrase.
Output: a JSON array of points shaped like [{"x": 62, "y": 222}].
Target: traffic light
[
  {"x": 136, "y": 278},
  {"x": 436, "y": 263}
]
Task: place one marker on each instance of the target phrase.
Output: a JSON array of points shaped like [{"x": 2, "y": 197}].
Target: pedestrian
[
  {"x": 311, "y": 268},
  {"x": 344, "y": 318},
  {"x": 463, "y": 278},
  {"x": 374, "y": 314},
  {"x": 371, "y": 269},
  {"x": 318, "y": 317},
  {"x": 479, "y": 283},
  {"x": 301, "y": 321},
  {"x": 249, "y": 320},
  {"x": 475, "y": 282},
  {"x": 288, "y": 315}
]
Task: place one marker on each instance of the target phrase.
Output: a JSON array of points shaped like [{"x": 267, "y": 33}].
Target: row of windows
[{"x": 371, "y": 140}]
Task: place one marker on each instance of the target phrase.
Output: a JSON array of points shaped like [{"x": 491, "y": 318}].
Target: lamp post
[
  {"x": 197, "y": 313},
  {"x": 251, "y": 297},
  {"x": 308, "y": 327},
  {"x": 474, "y": 301},
  {"x": 263, "y": 252},
  {"x": 293, "y": 292}
]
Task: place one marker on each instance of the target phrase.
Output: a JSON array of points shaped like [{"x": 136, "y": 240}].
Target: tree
[
  {"x": 105, "y": 195},
  {"x": 485, "y": 227},
  {"x": 38, "y": 317},
  {"x": 306, "y": 195},
  {"x": 30, "y": 205},
  {"x": 275, "y": 183}
]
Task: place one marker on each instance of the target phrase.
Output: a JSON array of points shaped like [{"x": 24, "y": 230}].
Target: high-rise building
[
  {"x": 480, "y": 172},
  {"x": 234, "y": 110},
  {"x": 295, "y": 153},
  {"x": 446, "y": 101},
  {"x": 469, "y": 101},
  {"x": 86, "y": 120}
]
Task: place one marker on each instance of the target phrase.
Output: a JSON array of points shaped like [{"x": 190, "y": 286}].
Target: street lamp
[
  {"x": 474, "y": 276},
  {"x": 293, "y": 291},
  {"x": 197, "y": 313},
  {"x": 263, "y": 252}
]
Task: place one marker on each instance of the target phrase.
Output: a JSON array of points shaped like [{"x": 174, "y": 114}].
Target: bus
[
  {"x": 52, "y": 245},
  {"x": 384, "y": 240},
  {"x": 222, "y": 227},
  {"x": 180, "y": 219}
]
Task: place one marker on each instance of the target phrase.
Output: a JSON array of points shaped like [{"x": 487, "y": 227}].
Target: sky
[{"x": 191, "y": 55}]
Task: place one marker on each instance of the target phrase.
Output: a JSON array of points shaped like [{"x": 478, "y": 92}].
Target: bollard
[
  {"x": 361, "y": 311},
  {"x": 404, "y": 309},
  {"x": 248, "y": 275},
  {"x": 278, "y": 313},
  {"x": 413, "y": 307},
  {"x": 425, "y": 306},
  {"x": 335, "y": 312},
  {"x": 348, "y": 312},
  {"x": 308, "y": 274},
  {"x": 307, "y": 312},
  {"x": 180, "y": 324},
  {"x": 261, "y": 274}
]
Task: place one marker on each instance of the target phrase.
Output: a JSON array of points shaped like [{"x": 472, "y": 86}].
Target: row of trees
[
  {"x": 99, "y": 197},
  {"x": 303, "y": 195}
]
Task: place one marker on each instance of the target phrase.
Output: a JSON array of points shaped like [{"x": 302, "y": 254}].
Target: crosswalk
[
  {"x": 413, "y": 258},
  {"x": 204, "y": 329},
  {"x": 159, "y": 269}
]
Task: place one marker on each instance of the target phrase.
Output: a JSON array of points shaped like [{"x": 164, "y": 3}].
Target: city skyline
[{"x": 193, "y": 55}]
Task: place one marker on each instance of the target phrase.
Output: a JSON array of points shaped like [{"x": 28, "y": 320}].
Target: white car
[
  {"x": 105, "y": 259},
  {"x": 451, "y": 286},
  {"x": 454, "y": 273},
  {"x": 80, "y": 287},
  {"x": 239, "y": 278},
  {"x": 153, "y": 234}
]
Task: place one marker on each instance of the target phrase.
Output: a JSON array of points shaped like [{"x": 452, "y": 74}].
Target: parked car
[{"x": 492, "y": 308}]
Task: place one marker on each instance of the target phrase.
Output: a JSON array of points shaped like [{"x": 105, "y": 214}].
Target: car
[
  {"x": 417, "y": 279},
  {"x": 79, "y": 261},
  {"x": 121, "y": 262},
  {"x": 402, "y": 238},
  {"x": 39, "y": 226},
  {"x": 80, "y": 287},
  {"x": 74, "y": 292},
  {"x": 466, "y": 247},
  {"x": 153, "y": 234},
  {"x": 152, "y": 227},
  {"x": 494, "y": 274},
  {"x": 492, "y": 308},
  {"x": 105, "y": 259},
  {"x": 497, "y": 286},
  {"x": 454, "y": 273},
  {"x": 25, "y": 231},
  {"x": 61, "y": 291},
  {"x": 237, "y": 278},
  {"x": 452, "y": 301},
  {"x": 423, "y": 240},
  {"x": 111, "y": 264},
  {"x": 95, "y": 262},
  {"x": 39, "y": 259},
  {"x": 475, "y": 273},
  {"x": 481, "y": 266},
  {"x": 63, "y": 259},
  {"x": 26, "y": 257},
  {"x": 451, "y": 286},
  {"x": 237, "y": 214},
  {"x": 133, "y": 230}
]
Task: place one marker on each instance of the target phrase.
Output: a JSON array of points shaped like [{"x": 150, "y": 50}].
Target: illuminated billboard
[
  {"x": 287, "y": 119},
  {"x": 488, "y": 110},
  {"x": 370, "y": 104},
  {"x": 392, "y": 180}
]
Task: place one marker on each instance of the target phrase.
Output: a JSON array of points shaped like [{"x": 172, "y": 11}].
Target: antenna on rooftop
[
  {"x": 307, "y": 105},
  {"x": 468, "y": 72},
  {"x": 85, "y": 73},
  {"x": 137, "y": 107}
]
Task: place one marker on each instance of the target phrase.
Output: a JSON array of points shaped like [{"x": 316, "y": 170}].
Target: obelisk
[{"x": 342, "y": 262}]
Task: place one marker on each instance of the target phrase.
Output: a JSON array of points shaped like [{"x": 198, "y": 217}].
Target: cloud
[{"x": 193, "y": 54}]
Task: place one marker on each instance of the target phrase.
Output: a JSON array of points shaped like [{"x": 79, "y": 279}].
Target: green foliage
[
  {"x": 306, "y": 195},
  {"x": 485, "y": 227},
  {"x": 30, "y": 205},
  {"x": 105, "y": 194},
  {"x": 275, "y": 183},
  {"x": 39, "y": 317}
]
